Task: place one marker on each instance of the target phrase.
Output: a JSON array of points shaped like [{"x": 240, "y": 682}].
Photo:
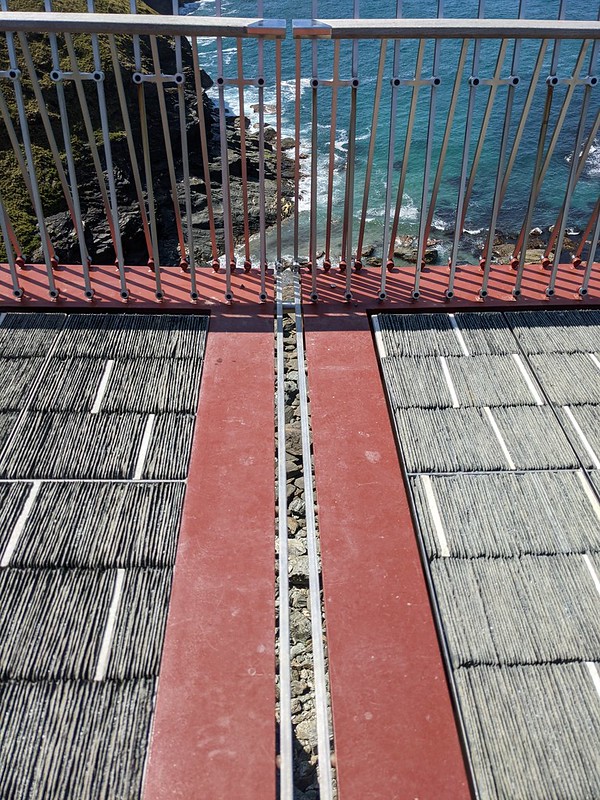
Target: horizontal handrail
[
  {"x": 142, "y": 24},
  {"x": 444, "y": 29}
]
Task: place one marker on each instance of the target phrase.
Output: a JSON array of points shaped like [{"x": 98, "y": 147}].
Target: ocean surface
[{"x": 478, "y": 214}]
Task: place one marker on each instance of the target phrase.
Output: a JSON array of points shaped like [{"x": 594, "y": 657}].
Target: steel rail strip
[
  {"x": 286, "y": 763},
  {"x": 140, "y": 24},
  {"x": 446, "y": 28},
  {"x": 316, "y": 616},
  {"x": 433, "y": 598}
]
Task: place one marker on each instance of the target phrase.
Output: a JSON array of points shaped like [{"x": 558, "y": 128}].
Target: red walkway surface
[
  {"x": 214, "y": 730},
  {"x": 395, "y": 734},
  {"x": 331, "y": 286}
]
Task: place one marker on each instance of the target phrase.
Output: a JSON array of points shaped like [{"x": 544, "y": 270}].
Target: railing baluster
[
  {"x": 204, "y": 152},
  {"x": 298, "y": 88},
  {"x": 242, "y": 118},
  {"x": 371, "y": 153},
  {"x": 5, "y": 227},
  {"x": 585, "y": 234},
  {"x": 154, "y": 262},
  {"x": 334, "y": 100},
  {"x": 162, "y": 106},
  {"x": 552, "y": 82},
  {"x": 114, "y": 206},
  {"x": 137, "y": 180},
  {"x": 76, "y": 74},
  {"x": 500, "y": 174},
  {"x": 474, "y": 81},
  {"x": 71, "y": 191},
  {"x": 422, "y": 241},
  {"x": 583, "y": 289},
  {"x": 524, "y": 117},
  {"x": 278, "y": 143},
  {"x": 262, "y": 223},
  {"x": 191, "y": 249},
  {"x": 460, "y": 68},
  {"x": 386, "y": 262},
  {"x": 561, "y": 223},
  {"x": 495, "y": 82},
  {"x": 36, "y": 199},
  {"x": 225, "y": 186},
  {"x": 416, "y": 85},
  {"x": 314, "y": 158}
]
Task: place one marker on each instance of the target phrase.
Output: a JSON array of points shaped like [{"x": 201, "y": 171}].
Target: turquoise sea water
[{"x": 477, "y": 219}]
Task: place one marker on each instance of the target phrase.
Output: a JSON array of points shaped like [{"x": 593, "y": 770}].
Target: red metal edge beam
[
  {"x": 394, "y": 726},
  {"x": 214, "y": 726}
]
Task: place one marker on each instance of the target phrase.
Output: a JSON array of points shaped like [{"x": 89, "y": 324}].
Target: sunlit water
[{"x": 478, "y": 214}]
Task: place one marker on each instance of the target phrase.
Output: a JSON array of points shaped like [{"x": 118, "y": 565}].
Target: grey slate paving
[
  {"x": 573, "y": 331},
  {"x": 486, "y": 333},
  {"x": 12, "y": 500},
  {"x": 588, "y": 419},
  {"x": 99, "y": 526},
  {"x": 418, "y": 335},
  {"x": 533, "y": 609},
  {"x": 507, "y": 551},
  {"x": 7, "y": 422},
  {"x": 534, "y": 438},
  {"x": 29, "y": 335},
  {"x": 69, "y": 384},
  {"x": 141, "y": 619},
  {"x": 448, "y": 440},
  {"x": 52, "y": 622},
  {"x": 541, "y": 741},
  {"x": 63, "y": 445},
  {"x": 505, "y": 514},
  {"x": 73, "y": 740},
  {"x": 16, "y": 381},
  {"x": 493, "y": 380},
  {"x": 416, "y": 382},
  {"x": 153, "y": 386},
  {"x": 169, "y": 452},
  {"x": 133, "y": 336},
  {"x": 568, "y": 379}
]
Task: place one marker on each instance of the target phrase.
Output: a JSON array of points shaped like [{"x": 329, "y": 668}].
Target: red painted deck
[
  {"x": 395, "y": 735},
  {"x": 214, "y": 729},
  {"x": 331, "y": 287}
]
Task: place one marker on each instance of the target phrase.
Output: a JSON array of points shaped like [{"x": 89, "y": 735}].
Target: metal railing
[
  {"x": 508, "y": 37},
  {"x": 463, "y": 90},
  {"x": 114, "y": 62}
]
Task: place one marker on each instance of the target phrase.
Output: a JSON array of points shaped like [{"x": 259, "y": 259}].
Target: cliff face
[{"x": 98, "y": 238}]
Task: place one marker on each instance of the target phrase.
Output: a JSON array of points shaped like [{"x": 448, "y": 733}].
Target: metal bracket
[
  {"x": 11, "y": 74},
  {"x": 58, "y": 76},
  {"x": 141, "y": 77},
  {"x": 221, "y": 81}
]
